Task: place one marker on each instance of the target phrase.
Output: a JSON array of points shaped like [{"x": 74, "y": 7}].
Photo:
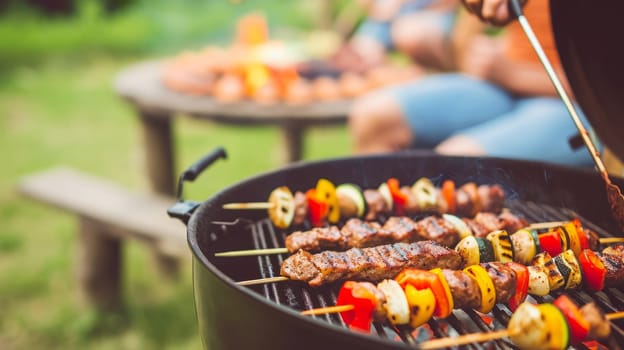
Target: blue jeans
[{"x": 534, "y": 128}]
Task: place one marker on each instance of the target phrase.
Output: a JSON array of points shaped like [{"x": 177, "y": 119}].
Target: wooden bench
[{"x": 108, "y": 214}]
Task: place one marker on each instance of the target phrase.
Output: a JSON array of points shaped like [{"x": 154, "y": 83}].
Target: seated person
[{"x": 502, "y": 103}]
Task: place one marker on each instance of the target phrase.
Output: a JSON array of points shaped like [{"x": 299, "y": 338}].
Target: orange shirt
[{"x": 518, "y": 47}]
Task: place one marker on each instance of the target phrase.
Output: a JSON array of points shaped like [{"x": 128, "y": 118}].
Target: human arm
[
  {"x": 484, "y": 58},
  {"x": 495, "y": 12}
]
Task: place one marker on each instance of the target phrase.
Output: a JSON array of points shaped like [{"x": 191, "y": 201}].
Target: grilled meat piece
[
  {"x": 301, "y": 208},
  {"x": 614, "y": 264},
  {"x": 465, "y": 291},
  {"x": 403, "y": 229},
  {"x": 616, "y": 249},
  {"x": 467, "y": 201},
  {"x": 510, "y": 222},
  {"x": 365, "y": 234},
  {"x": 599, "y": 326},
  {"x": 504, "y": 279},
  {"x": 439, "y": 230},
  {"x": 376, "y": 204},
  {"x": 368, "y": 264},
  {"x": 483, "y": 223},
  {"x": 486, "y": 222},
  {"x": 492, "y": 197},
  {"x": 317, "y": 239},
  {"x": 357, "y": 233},
  {"x": 592, "y": 238}
]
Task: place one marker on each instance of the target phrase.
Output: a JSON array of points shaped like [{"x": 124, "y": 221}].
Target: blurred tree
[{"x": 60, "y": 7}]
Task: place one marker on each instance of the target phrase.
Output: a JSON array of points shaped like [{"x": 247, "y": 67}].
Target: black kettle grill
[{"x": 267, "y": 316}]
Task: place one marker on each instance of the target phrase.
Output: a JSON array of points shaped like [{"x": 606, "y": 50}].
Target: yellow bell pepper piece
[
  {"x": 421, "y": 304},
  {"x": 575, "y": 241},
  {"x": 327, "y": 190},
  {"x": 486, "y": 286}
]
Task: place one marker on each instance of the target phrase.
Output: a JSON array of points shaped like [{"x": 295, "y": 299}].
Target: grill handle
[{"x": 183, "y": 209}]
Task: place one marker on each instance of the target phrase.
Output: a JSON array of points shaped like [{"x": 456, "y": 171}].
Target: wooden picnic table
[{"x": 156, "y": 107}]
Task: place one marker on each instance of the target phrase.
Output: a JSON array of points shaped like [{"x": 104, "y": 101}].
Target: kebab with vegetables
[
  {"x": 414, "y": 296},
  {"x": 446, "y": 229},
  {"x": 375, "y": 263},
  {"x": 565, "y": 265},
  {"x": 327, "y": 203}
]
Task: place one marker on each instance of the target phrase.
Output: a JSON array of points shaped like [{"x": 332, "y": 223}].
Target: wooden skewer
[
  {"x": 614, "y": 315},
  {"x": 328, "y": 310},
  {"x": 463, "y": 339},
  {"x": 253, "y": 252},
  {"x": 545, "y": 225},
  {"x": 263, "y": 280},
  {"x": 551, "y": 224},
  {"x": 249, "y": 205},
  {"x": 610, "y": 240},
  {"x": 277, "y": 251}
]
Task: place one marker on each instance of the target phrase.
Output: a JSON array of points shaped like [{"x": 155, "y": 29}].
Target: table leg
[
  {"x": 159, "y": 162},
  {"x": 292, "y": 141},
  {"x": 99, "y": 266}
]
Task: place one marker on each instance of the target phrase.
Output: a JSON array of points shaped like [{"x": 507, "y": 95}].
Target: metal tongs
[{"x": 614, "y": 194}]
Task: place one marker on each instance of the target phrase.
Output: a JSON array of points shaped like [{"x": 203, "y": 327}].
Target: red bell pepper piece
[
  {"x": 317, "y": 207},
  {"x": 579, "y": 326},
  {"x": 398, "y": 197},
  {"x": 421, "y": 279},
  {"x": 364, "y": 304},
  {"x": 581, "y": 234},
  {"x": 448, "y": 192},
  {"x": 551, "y": 242},
  {"x": 594, "y": 271},
  {"x": 522, "y": 284}
]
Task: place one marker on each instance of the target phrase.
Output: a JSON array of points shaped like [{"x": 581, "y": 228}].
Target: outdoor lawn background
[{"x": 57, "y": 107}]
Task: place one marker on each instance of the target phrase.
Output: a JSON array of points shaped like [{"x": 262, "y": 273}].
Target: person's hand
[
  {"x": 496, "y": 12},
  {"x": 483, "y": 58}
]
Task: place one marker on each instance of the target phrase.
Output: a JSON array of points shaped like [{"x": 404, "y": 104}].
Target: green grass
[
  {"x": 157, "y": 26},
  {"x": 59, "y": 108}
]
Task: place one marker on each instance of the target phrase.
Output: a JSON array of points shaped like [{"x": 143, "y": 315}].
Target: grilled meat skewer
[
  {"x": 441, "y": 229},
  {"x": 374, "y": 263},
  {"x": 377, "y": 263}
]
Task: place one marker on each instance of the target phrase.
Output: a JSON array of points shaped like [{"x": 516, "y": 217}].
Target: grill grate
[{"x": 300, "y": 297}]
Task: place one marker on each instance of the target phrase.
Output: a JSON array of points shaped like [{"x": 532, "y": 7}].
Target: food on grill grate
[
  {"x": 369, "y": 264},
  {"x": 327, "y": 203},
  {"x": 446, "y": 230},
  {"x": 546, "y": 274},
  {"x": 524, "y": 244},
  {"x": 415, "y": 296}
]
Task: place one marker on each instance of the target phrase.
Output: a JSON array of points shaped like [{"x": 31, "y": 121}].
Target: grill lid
[{"x": 588, "y": 38}]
